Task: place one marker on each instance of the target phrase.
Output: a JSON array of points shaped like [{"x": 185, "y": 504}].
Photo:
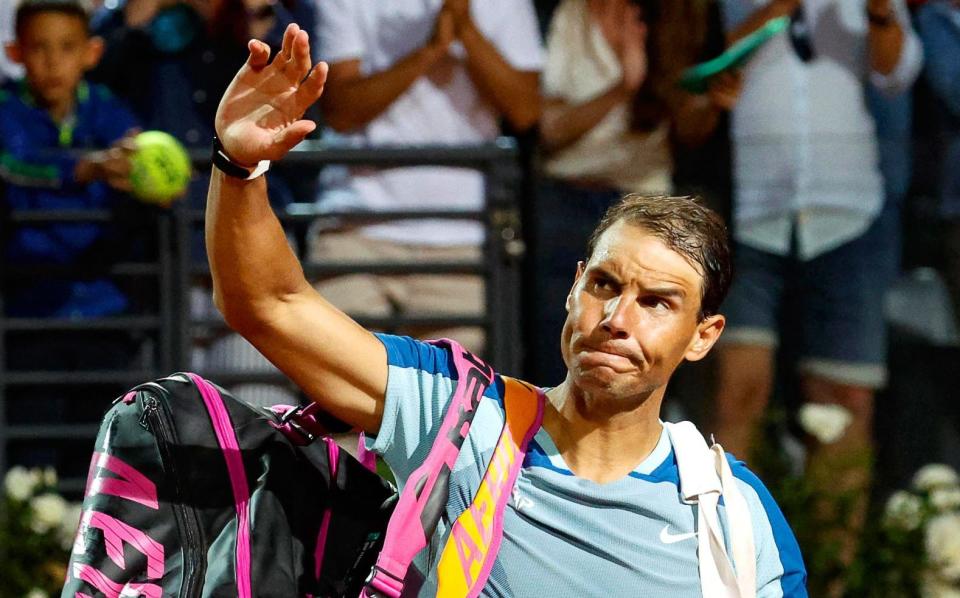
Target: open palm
[{"x": 259, "y": 117}]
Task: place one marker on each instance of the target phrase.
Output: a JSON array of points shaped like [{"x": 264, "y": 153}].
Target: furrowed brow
[{"x": 677, "y": 292}]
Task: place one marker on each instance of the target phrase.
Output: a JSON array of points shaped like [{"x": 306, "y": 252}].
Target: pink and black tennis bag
[{"x": 195, "y": 493}]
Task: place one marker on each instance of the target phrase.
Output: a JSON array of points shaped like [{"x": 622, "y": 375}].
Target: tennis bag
[{"x": 193, "y": 492}]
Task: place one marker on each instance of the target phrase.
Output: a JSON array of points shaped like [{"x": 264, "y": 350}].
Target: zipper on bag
[{"x": 155, "y": 418}]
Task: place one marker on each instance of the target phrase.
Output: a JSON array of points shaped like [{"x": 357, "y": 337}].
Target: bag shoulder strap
[
  {"x": 471, "y": 548},
  {"x": 424, "y": 497},
  {"x": 705, "y": 475}
]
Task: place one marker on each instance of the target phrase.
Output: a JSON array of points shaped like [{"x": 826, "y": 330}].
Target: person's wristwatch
[{"x": 227, "y": 166}]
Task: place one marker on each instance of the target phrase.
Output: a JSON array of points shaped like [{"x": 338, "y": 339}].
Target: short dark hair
[
  {"x": 686, "y": 226},
  {"x": 27, "y": 9}
]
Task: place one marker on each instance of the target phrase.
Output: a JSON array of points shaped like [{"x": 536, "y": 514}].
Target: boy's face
[{"x": 55, "y": 50}]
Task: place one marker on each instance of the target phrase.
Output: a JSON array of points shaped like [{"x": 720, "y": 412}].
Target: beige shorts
[{"x": 420, "y": 295}]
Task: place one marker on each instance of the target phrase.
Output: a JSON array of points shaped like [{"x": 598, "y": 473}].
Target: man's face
[
  {"x": 632, "y": 316},
  {"x": 55, "y": 50}
]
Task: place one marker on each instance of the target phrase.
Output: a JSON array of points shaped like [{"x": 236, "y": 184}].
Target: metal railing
[{"x": 174, "y": 329}]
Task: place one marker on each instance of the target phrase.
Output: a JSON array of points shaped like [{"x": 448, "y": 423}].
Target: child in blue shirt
[{"x": 64, "y": 144}]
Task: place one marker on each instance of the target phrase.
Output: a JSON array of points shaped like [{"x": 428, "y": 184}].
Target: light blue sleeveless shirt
[{"x": 564, "y": 535}]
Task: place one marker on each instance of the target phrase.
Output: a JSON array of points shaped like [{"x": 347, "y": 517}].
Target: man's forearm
[
  {"x": 886, "y": 45},
  {"x": 513, "y": 93},
  {"x": 355, "y": 102},
  {"x": 250, "y": 260},
  {"x": 564, "y": 124}
]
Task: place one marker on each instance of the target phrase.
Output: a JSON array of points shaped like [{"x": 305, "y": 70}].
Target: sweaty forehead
[{"x": 632, "y": 252}]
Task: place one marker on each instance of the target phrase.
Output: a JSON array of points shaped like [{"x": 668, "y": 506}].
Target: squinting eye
[{"x": 656, "y": 303}]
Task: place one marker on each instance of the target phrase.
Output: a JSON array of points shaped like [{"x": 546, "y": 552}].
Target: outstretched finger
[
  {"x": 311, "y": 87},
  {"x": 259, "y": 54},
  {"x": 289, "y": 35},
  {"x": 290, "y": 136},
  {"x": 301, "y": 55}
]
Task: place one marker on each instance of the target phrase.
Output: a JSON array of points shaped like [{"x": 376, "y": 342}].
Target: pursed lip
[{"x": 609, "y": 354}]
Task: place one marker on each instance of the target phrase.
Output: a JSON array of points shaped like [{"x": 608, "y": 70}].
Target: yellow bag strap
[{"x": 471, "y": 548}]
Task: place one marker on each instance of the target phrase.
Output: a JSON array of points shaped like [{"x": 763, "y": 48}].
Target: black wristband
[{"x": 230, "y": 168}]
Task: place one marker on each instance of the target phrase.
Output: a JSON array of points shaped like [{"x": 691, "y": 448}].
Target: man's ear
[
  {"x": 707, "y": 333},
  {"x": 581, "y": 266},
  {"x": 12, "y": 50},
  {"x": 94, "y": 52}
]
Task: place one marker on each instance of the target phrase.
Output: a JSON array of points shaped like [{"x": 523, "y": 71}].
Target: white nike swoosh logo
[{"x": 667, "y": 538}]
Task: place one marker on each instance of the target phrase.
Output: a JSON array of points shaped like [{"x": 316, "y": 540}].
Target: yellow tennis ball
[{"x": 159, "y": 168}]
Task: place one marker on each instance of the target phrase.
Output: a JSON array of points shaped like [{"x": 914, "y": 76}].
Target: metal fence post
[
  {"x": 504, "y": 252},
  {"x": 167, "y": 292}
]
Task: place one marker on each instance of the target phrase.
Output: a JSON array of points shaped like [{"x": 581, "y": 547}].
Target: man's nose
[{"x": 617, "y": 317}]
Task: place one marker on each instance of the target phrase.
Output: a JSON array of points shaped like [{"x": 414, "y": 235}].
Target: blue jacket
[{"x": 37, "y": 161}]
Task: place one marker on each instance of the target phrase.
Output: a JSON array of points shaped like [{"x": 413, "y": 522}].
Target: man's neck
[{"x": 599, "y": 441}]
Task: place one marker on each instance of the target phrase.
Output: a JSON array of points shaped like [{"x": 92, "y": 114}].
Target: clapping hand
[
  {"x": 725, "y": 89},
  {"x": 626, "y": 33},
  {"x": 259, "y": 117}
]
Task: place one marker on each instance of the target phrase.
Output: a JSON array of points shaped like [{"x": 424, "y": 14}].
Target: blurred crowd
[{"x": 838, "y": 139}]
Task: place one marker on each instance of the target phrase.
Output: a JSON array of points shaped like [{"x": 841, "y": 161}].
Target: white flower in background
[
  {"x": 50, "y": 477},
  {"x": 37, "y": 593},
  {"x": 937, "y": 588},
  {"x": 48, "y": 512},
  {"x": 826, "y": 423},
  {"x": 935, "y": 475},
  {"x": 19, "y": 483},
  {"x": 68, "y": 527},
  {"x": 904, "y": 511},
  {"x": 945, "y": 499},
  {"x": 943, "y": 546}
]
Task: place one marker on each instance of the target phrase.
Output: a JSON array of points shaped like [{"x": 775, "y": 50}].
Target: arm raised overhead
[{"x": 259, "y": 285}]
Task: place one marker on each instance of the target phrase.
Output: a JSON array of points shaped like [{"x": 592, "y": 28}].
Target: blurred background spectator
[
  {"x": 814, "y": 233},
  {"x": 172, "y": 61},
  {"x": 64, "y": 145},
  {"x": 938, "y": 23},
  {"x": 413, "y": 72},
  {"x": 612, "y": 116}
]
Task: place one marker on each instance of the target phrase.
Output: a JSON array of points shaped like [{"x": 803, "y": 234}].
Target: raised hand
[
  {"x": 444, "y": 31},
  {"x": 259, "y": 117},
  {"x": 459, "y": 10},
  {"x": 725, "y": 90},
  {"x": 610, "y": 15},
  {"x": 623, "y": 27},
  {"x": 633, "y": 50}
]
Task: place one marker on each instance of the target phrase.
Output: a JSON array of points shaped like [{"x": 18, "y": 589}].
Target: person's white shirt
[
  {"x": 443, "y": 107},
  {"x": 805, "y": 144},
  {"x": 8, "y": 70},
  {"x": 580, "y": 66}
]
